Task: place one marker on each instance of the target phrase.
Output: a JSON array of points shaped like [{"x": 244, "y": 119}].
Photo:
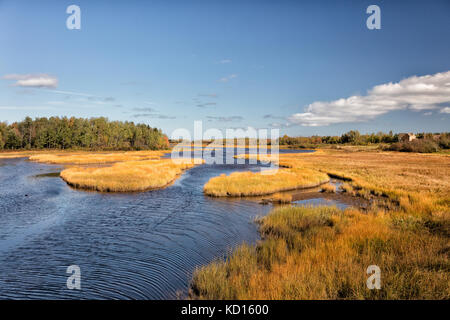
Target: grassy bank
[
  {"x": 254, "y": 184},
  {"x": 18, "y": 154},
  {"x": 126, "y": 176},
  {"x": 96, "y": 157},
  {"x": 124, "y": 171},
  {"x": 416, "y": 182},
  {"x": 323, "y": 253}
]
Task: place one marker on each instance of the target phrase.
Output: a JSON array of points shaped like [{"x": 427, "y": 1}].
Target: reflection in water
[{"x": 128, "y": 246}]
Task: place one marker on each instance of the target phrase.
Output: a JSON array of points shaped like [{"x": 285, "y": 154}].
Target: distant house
[{"x": 403, "y": 137}]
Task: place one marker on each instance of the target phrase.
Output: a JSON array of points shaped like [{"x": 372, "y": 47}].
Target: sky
[{"x": 305, "y": 67}]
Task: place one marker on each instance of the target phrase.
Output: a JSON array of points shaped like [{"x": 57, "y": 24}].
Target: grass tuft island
[
  {"x": 126, "y": 176},
  {"x": 239, "y": 184}
]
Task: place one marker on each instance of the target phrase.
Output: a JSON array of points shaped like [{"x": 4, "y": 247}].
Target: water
[
  {"x": 322, "y": 202},
  {"x": 128, "y": 246}
]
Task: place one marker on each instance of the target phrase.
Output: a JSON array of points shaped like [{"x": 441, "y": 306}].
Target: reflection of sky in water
[{"x": 134, "y": 245}]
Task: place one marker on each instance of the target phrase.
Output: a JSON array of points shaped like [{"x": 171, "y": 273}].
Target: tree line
[
  {"x": 80, "y": 133},
  {"x": 350, "y": 137},
  {"x": 424, "y": 142}
]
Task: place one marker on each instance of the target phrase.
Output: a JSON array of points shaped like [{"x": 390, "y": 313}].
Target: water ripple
[{"x": 128, "y": 246}]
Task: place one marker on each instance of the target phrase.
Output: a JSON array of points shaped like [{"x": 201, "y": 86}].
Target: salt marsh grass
[
  {"x": 126, "y": 176},
  {"x": 96, "y": 157},
  {"x": 239, "y": 184},
  {"x": 323, "y": 252}
]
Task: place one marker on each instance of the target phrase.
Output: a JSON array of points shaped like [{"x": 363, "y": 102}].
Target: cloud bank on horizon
[{"x": 414, "y": 93}]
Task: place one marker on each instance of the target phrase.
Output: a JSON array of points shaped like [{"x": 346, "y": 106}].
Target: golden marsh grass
[
  {"x": 323, "y": 252},
  {"x": 96, "y": 157},
  {"x": 126, "y": 176},
  {"x": 416, "y": 182},
  {"x": 328, "y": 187},
  {"x": 17, "y": 154},
  {"x": 239, "y": 184}
]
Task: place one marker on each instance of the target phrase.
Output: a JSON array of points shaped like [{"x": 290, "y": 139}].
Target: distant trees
[
  {"x": 353, "y": 137},
  {"x": 74, "y": 133},
  {"x": 427, "y": 142}
]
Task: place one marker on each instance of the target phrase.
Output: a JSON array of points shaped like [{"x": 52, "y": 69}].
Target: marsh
[{"x": 141, "y": 245}]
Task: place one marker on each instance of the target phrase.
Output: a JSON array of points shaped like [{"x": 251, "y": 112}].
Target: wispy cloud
[
  {"x": 206, "y": 104},
  {"x": 280, "y": 125},
  {"x": 271, "y": 116},
  {"x": 154, "y": 116},
  {"x": 56, "y": 103},
  {"x": 26, "y": 108},
  {"x": 413, "y": 93},
  {"x": 86, "y": 97},
  {"x": 208, "y": 95},
  {"x": 146, "y": 109},
  {"x": 224, "y": 61},
  {"x": 224, "y": 119},
  {"x": 72, "y": 93},
  {"x": 42, "y": 80},
  {"x": 228, "y": 78},
  {"x": 445, "y": 110}
]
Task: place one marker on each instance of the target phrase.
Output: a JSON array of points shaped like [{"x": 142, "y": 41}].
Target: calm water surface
[{"x": 128, "y": 246}]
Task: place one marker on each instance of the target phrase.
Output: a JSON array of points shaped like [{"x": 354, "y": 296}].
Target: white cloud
[
  {"x": 413, "y": 93},
  {"x": 33, "y": 80},
  {"x": 445, "y": 110},
  {"x": 223, "y": 61},
  {"x": 228, "y": 78}
]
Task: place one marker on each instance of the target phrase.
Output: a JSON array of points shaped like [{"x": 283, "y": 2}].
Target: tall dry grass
[
  {"x": 17, "y": 154},
  {"x": 96, "y": 157},
  {"x": 416, "y": 182},
  {"x": 323, "y": 253},
  {"x": 126, "y": 176},
  {"x": 239, "y": 184}
]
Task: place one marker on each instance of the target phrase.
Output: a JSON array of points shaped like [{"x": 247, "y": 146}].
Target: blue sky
[{"x": 230, "y": 63}]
